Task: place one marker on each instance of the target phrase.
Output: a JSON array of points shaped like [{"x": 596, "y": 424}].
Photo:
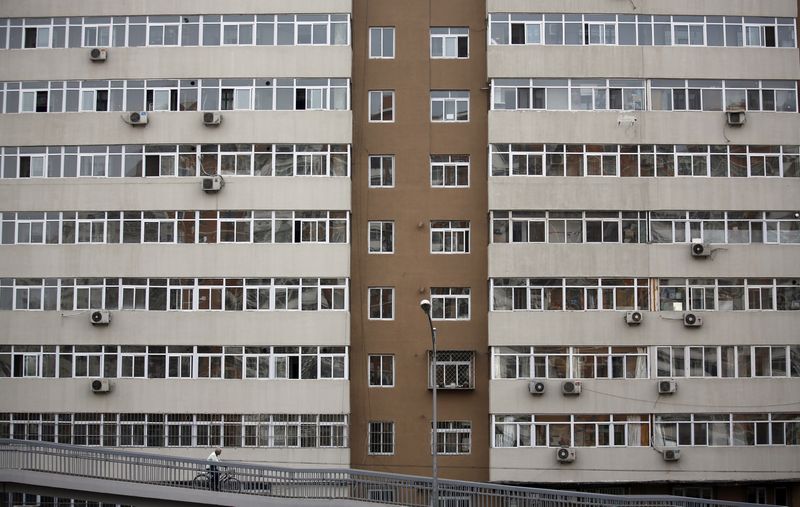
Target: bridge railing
[{"x": 254, "y": 479}]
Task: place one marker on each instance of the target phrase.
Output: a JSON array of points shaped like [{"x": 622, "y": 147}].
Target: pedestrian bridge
[{"x": 144, "y": 479}]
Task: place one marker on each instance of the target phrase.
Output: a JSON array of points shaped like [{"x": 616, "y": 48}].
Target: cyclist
[{"x": 213, "y": 468}]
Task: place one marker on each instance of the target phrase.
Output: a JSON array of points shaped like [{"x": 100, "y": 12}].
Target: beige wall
[
  {"x": 174, "y": 396},
  {"x": 220, "y": 260},
  {"x": 116, "y": 194},
  {"x": 786, "y": 8},
  {"x": 179, "y": 328},
  {"x": 645, "y": 464},
  {"x": 40, "y": 8},
  {"x": 175, "y": 128},
  {"x": 640, "y": 396},
  {"x": 651, "y": 127},
  {"x": 179, "y": 63},
  {"x": 642, "y": 62},
  {"x": 661, "y": 328},
  {"x": 640, "y": 194},
  {"x": 623, "y": 260}
]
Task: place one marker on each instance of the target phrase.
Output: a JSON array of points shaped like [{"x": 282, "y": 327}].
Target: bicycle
[{"x": 227, "y": 481}]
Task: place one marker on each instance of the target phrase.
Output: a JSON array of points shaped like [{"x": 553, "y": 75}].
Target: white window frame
[
  {"x": 380, "y": 291},
  {"x": 381, "y": 53},
  {"x": 98, "y": 30},
  {"x": 452, "y": 99},
  {"x": 448, "y": 296},
  {"x": 382, "y": 429},
  {"x": 382, "y": 162},
  {"x": 381, "y": 94},
  {"x": 380, "y": 227},
  {"x": 452, "y": 429},
  {"x": 383, "y": 360},
  {"x": 449, "y": 165},
  {"x": 453, "y": 234},
  {"x": 449, "y": 37}
]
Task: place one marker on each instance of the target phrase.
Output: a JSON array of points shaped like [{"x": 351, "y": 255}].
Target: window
[
  {"x": 453, "y": 369},
  {"x": 381, "y": 171},
  {"x": 449, "y": 42},
  {"x": 453, "y": 437},
  {"x": 450, "y": 236},
  {"x": 381, "y": 237},
  {"x": 381, "y": 303},
  {"x": 449, "y": 106},
  {"x": 34, "y": 101},
  {"x": 600, "y": 430},
  {"x": 718, "y": 161},
  {"x": 381, "y": 370},
  {"x": 381, "y": 437},
  {"x": 37, "y": 37},
  {"x": 237, "y": 33},
  {"x": 96, "y": 35},
  {"x": 381, "y": 42},
  {"x": 450, "y": 171},
  {"x": 551, "y": 294},
  {"x": 568, "y": 94},
  {"x": 450, "y": 303},
  {"x": 381, "y": 106},
  {"x": 235, "y": 99}
]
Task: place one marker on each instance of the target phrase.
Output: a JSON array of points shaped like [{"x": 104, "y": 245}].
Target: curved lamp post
[{"x": 426, "y": 307}]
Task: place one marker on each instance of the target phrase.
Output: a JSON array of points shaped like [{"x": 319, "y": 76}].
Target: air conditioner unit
[
  {"x": 536, "y": 387},
  {"x": 213, "y": 184},
  {"x": 565, "y": 454},
  {"x": 100, "y": 317},
  {"x": 211, "y": 118},
  {"x": 101, "y": 385},
  {"x": 667, "y": 386},
  {"x": 700, "y": 249},
  {"x": 135, "y": 118},
  {"x": 671, "y": 454},
  {"x": 633, "y": 318},
  {"x": 735, "y": 117},
  {"x": 98, "y": 54},
  {"x": 692, "y": 320},
  {"x": 571, "y": 387}
]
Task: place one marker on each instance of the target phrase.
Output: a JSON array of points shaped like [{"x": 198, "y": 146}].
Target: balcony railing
[{"x": 262, "y": 480}]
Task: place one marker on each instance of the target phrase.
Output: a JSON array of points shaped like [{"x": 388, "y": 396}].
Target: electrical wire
[{"x": 701, "y": 405}]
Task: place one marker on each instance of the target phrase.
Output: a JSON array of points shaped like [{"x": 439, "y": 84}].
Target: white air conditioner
[
  {"x": 101, "y": 385},
  {"x": 212, "y": 118},
  {"x": 536, "y": 387},
  {"x": 213, "y": 184},
  {"x": 667, "y": 386},
  {"x": 135, "y": 118},
  {"x": 100, "y": 317},
  {"x": 98, "y": 54},
  {"x": 692, "y": 320},
  {"x": 565, "y": 454},
  {"x": 700, "y": 249},
  {"x": 671, "y": 454},
  {"x": 735, "y": 117},
  {"x": 571, "y": 387},
  {"x": 633, "y": 318}
]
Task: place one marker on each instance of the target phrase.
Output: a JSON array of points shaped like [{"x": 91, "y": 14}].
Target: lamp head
[{"x": 425, "y": 305}]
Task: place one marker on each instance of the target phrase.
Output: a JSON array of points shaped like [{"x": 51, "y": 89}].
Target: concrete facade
[{"x": 200, "y": 398}]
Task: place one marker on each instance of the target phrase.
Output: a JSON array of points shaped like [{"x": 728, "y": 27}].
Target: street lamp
[{"x": 426, "y": 307}]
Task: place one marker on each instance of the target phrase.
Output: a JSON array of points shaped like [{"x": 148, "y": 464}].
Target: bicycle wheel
[
  {"x": 201, "y": 481},
  {"x": 232, "y": 485}
]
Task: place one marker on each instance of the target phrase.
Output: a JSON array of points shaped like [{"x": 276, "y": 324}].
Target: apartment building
[
  {"x": 176, "y": 226},
  {"x": 219, "y": 219},
  {"x": 643, "y": 256}
]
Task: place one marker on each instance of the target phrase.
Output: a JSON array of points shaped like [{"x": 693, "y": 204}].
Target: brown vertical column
[{"x": 412, "y": 203}]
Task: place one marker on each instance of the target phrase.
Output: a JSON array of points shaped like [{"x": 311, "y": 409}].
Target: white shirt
[{"x": 213, "y": 456}]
